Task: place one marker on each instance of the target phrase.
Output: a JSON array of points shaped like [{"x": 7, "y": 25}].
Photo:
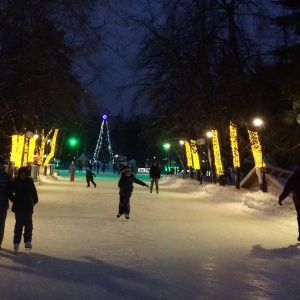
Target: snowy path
[{"x": 187, "y": 242}]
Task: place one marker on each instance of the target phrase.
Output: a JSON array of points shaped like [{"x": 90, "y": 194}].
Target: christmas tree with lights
[{"x": 103, "y": 152}]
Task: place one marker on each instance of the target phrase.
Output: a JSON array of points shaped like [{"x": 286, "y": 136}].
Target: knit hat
[
  {"x": 23, "y": 169},
  {"x": 2, "y": 160},
  {"x": 127, "y": 171}
]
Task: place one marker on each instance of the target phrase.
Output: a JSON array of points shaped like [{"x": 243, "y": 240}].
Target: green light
[
  {"x": 166, "y": 146},
  {"x": 72, "y": 142}
]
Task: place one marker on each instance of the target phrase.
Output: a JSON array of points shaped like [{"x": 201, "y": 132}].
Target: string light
[
  {"x": 14, "y": 147},
  {"x": 42, "y": 148},
  {"x": 234, "y": 145},
  {"x": 188, "y": 154},
  {"x": 195, "y": 155},
  {"x": 53, "y": 146},
  {"x": 25, "y": 151},
  {"x": 19, "y": 151},
  {"x": 256, "y": 149},
  {"x": 217, "y": 155}
]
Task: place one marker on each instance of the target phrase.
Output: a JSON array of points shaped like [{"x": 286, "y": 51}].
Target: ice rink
[{"x": 190, "y": 241}]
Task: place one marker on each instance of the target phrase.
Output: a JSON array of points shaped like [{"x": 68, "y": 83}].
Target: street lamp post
[
  {"x": 75, "y": 142},
  {"x": 167, "y": 147},
  {"x": 259, "y": 124},
  {"x": 201, "y": 142},
  {"x": 181, "y": 142},
  {"x": 210, "y": 158}
]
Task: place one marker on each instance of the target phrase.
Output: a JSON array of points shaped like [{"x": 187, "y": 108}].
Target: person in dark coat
[
  {"x": 23, "y": 194},
  {"x": 90, "y": 177},
  {"x": 123, "y": 167},
  {"x": 5, "y": 181},
  {"x": 154, "y": 174},
  {"x": 125, "y": 185},
  {"x": 293, "y": 186}
]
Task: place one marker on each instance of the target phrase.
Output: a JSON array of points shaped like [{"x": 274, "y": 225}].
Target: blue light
[{"x": 104, "y": 117}]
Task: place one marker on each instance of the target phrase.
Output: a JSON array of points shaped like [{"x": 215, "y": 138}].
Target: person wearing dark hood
[
  {"x": 23, "y": 194},
  {"x": 4, "y": 203},
  {"x": 123, "y": 167},
  {"x": 293, "y": 186},
  {"x": 126, "y": 187},
  {"x": 154, "y": 174}
]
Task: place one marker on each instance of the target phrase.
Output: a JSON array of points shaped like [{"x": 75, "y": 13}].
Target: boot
[{"x": 28, "y": 245}]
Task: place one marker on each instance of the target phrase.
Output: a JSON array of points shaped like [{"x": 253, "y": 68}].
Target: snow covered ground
[{"x": 190, "y": 241}]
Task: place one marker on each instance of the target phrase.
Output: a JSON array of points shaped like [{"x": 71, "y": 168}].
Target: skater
[
  {"x": 23, "y": 194},
  {"x": 154, "y": 174},
  {"x": 293, "y": 186},
  {"x": 126, "y": 187},
  {"x": 72, "y": 171},
  {"x": 5, "y": 181},
  {"x": 90, "y": 177},
  {"x": 123, "y": 167}
]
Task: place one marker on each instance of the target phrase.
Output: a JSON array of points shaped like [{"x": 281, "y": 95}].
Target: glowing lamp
[
  {"x": 166, "y": 146},
  {"x": 72, "y": 142},
  {"x": 209, "y": 134},
  {"x": 104, "y": 117},
  {"x": 257, "y": 122}
]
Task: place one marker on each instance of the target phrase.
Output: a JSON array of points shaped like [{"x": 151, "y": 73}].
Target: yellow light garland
[
  {"x": 188, "y": 154},
  {"x": 19, "y": 151},
  {"x": 234, "y": 145},
  {"x": 53, "y": 146},
  {"x": 25, "y": 152},
  {"x": 14, "y": 147},
  {"x": 217, "y": 155},
  {"x": 195, "y": 155},
  {"x": 32, "y": 143},
  {"x": 256, "y": 149},
  {"x": 42, "y": 148}
]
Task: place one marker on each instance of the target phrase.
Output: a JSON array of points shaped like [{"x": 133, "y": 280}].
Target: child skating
[{"x": 126, "y": 187}]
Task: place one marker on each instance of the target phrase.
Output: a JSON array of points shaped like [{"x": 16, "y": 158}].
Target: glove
[{"x": 280, "y": 202}]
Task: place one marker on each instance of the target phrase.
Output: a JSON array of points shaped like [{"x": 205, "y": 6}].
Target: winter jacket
[
  {"x": 126, "y": 184},
  {"x": 72, "y": 169},
  {"x": 90, "y": 175},
  {"x": 292, "y": 186},
  {"x": 23, "y": 194},
  {"x": 5, "y": 181},
  {"x": 122, "y": 168},
  {"x": 154, "y": 172}
]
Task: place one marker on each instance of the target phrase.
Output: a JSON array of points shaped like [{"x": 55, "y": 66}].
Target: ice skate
[
  {"x": 16, "y": 247},
  {"x": 28, "y": 245},
  {"x": 150, "y": 191},
  {"x": 126, "y": 216},
  {"x": 119, "y": 215}
]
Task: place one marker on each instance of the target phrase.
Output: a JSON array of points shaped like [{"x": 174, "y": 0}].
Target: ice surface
[{"x": 190, "y": 241}]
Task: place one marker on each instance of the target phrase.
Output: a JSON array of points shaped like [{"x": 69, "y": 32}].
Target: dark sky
[{"x": 120, "y": 46}]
